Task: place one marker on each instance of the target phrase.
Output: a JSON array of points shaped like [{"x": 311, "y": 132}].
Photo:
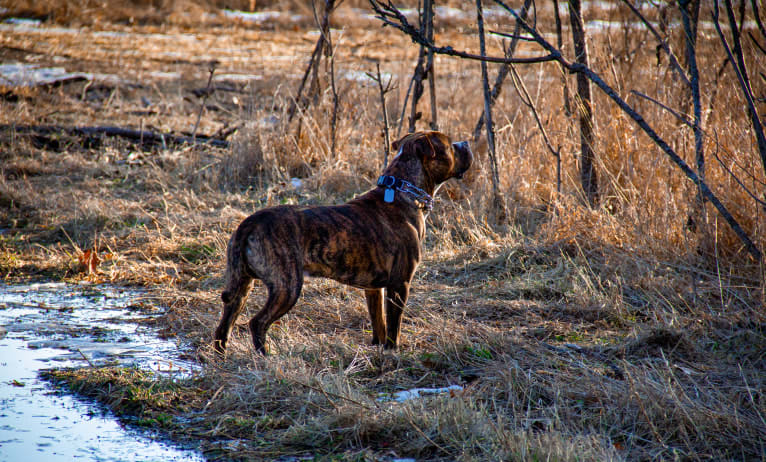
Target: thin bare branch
[
  {"x": 675, "y": 113},
  {"x": 738, "y": 63},
  {"x": 757, "y": 14},
  {"x": 526, "y": 99},
  {"x": 502, "y": 73},
  {"x": 383, "y": 90},
  {"x": 488, "y": 106},
  {"x": 663, "y": 43},
  {"x": 739, "y": 182},
  {"x": 512, "y": 36},
  {"x": 564, "y": 79},
  {"x": 430, "y": 67},
  {"x": 639, "y": 120},
  {"x": 391, "y": 16}
]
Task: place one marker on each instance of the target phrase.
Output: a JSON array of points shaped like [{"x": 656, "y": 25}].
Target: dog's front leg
[
  {"x": 396, "y": 298},
  {"x": 375, "y": 307}
]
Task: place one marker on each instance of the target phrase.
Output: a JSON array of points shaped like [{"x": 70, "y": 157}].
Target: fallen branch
[{"x": 45, "y": 134}]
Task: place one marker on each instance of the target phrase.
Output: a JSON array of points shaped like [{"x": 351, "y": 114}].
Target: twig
[
  {"x": 208, "y": 91},
  {"x": 564, "y": 79},
  {"x": 400, "y": 124},
  {"x": 313, "y": 66},
  {"x": 739, "y": 182},
  {"x": 526, "y": 99},
  {"x": 690, "y": 124},
  {"x": 383, "y": 90},
  {"x": 755, "y": 42},
  {"x": 757, "y": 14},
  {"x": 675, "y": 113},
  {"x": 330, "y": 55},
  {"x": 315, "y": 55},
  {"x": 90, "y": 363},
  {"x": 513, "y": 36}
]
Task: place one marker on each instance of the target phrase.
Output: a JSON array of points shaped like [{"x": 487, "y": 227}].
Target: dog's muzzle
[{"x": 465, "y": 157}]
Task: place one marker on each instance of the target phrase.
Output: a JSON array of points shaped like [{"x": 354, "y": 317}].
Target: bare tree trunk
[
  {"x": 488, "y": 109},
  {"x": 689, "y": 16},
  {"x": 588, "y": 176}
]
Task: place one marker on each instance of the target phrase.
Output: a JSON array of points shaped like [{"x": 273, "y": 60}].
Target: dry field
[{"x": 614, "y": 333}]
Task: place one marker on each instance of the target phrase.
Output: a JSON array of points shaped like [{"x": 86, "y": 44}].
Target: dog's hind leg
[
  {"x": 234, "y": 296},
  {"x": 283, "y": 293},
  {"x": 233, "y": 305},
  {"x": 375, "y": 307}
]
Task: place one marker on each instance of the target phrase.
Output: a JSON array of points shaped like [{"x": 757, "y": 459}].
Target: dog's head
[{"x": 440, "y": 158}]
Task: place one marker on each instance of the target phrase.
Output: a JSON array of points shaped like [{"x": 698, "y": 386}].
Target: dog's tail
[{"x": 236, "y": 271}]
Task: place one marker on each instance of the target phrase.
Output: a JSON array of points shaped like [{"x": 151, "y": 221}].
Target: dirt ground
[{"x": 574, "y": 334}]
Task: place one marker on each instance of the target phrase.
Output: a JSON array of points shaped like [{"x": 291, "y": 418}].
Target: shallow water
[{"x": 44, "y": 326}]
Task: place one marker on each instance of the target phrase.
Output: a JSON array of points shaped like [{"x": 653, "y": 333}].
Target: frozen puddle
[
  {"x": 45, "y": 326},
  {"x": 414, "y": 393}
]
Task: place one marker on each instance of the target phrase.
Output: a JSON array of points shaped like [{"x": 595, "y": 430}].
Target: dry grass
[{"x": 606, "y": 334}]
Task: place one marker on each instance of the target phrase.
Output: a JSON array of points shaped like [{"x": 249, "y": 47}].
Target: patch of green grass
[
  {"x": 196, "y": 252},
  {"x": 479, "y": 351}
]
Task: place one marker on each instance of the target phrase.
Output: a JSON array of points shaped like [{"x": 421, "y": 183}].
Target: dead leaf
[{"x": 89, "y": 261}]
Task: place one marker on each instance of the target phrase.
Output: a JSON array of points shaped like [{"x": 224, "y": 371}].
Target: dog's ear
[
  {"x": 424, "y": 145},
  {"x": 429, "y": 145},
  {"x": 395, "y": 144},
  {"x": 399, "y": 145}
]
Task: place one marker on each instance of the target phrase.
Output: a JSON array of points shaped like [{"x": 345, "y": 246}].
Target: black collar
[{"x": 392, "y": 184}]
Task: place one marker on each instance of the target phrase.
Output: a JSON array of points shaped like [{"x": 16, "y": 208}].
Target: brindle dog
[{"x": 372, "y": 242}]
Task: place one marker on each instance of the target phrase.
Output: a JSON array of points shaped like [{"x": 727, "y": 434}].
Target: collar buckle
[{"x": 421, "y": 198}]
